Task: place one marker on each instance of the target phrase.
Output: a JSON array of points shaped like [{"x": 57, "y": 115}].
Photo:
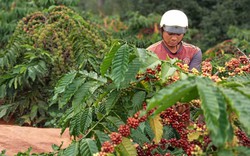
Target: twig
[{"x": 243, "y": 54}]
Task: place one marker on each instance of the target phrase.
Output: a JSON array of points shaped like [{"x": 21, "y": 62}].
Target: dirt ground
[{"x": 16, "y": 139}]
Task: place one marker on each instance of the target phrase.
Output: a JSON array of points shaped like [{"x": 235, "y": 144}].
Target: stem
[
  {"x": 243, "y": 54},
  {"x": 95, "y": 125},
  {"x": 216, "y": 73}
]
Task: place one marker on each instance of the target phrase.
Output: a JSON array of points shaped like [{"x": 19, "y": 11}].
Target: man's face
[{"x": 172, "y": 39}]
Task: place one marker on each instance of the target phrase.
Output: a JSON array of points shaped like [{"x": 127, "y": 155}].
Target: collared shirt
[{"x": 188, "y": 53}]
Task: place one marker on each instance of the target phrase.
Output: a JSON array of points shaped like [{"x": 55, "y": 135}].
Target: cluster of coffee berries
[
  {"x": 178, "y": 121},
  {"x": 244, "y": 140},
  {"x": 151, "y": 75},
  {"x": 244, "y": 60},
  {"x": 107, "y": 147},
  {"x": 195, "y": 71},
  {"x": 116, "y": 138},
  {"x": 238, "y": 66},
  {"x": 195, "y": 150},
  {"x": 171, "y": 117},
  {"x": 221, "y": 69},
  {"x": 191, "y": 148},
  {"x": 206, "y": 140},
  {"x": 215, "y": 78},
  {"x": 206, "y": 68},
  {"x": 173, "y": 78},
  {"x": 232, "y": 64},
  {"x": 184, "y": 67},
  {"x": 246, "y": 68},
  {"x": 123, "y": 131},
  {"x": 196, "y": 103},
  {"x": 200, "y": 127},
  {"x": 133, "y": 122}
]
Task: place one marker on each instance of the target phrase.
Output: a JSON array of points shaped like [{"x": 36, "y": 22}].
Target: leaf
[
  {"x": 169, "y": 132},
  {"x": 93, "y": 75},
  {"x": 23, "y": 69},
  {"x": 63, "y": 83},
  {"x": 32, "y": 73},
  {"x": 80, "y": 122},
  {"x": 148, "y": 130},
  {"x": 26, "y": 119},
  {"x": 157, "y": 127},
  {"x": 101, "y": 137},
  {"x": 65, "y": 119},
  {"x": 126, "y": 148},
  {"x": 177, "y": 152},
  {"x": 194, "y": 135},
  {"x": 2, "y": 91},
  {"x": 109, "y": 57},
  {"x": 120, "y": 65},
  {"x": 83, "y": 93},
  {"x": 87, "y": 147},
  {"x": 146, "y": 85},
  {"x": 192, "y": 94},
  {"x": 210, "y": 107},
  {"x": 15, "y": 82},
  {"x": 225, "y": 152},
  {"x": 130, "y": 75},
  {"x": 244, "y": 90},
  {"x": 242, "y": 79},
  {"x": 70, "y": 91},
  {"x": 142, "y": 54},
  {"x": 169, "y": 95},
  {"x": 240, "y": 104},
  {"x": 115, "y": 121},
  {"x": 139, "y": 137},
  {"x": 112, "y": 98},
  {"x": 232, "y": 84},
  {"x": 72, "y": 149},
  {"x": 34, "y": 111},
  {"x": 3, "y": 111},
  {"x": 242, "y": 151},
  {"x": 166, "y": 71},
  {"x": 137, "y": 101},
  {"x": 148, "y": 59},
  {"x": 41, "y": 68},
  {"x": 226, "y": 129}
]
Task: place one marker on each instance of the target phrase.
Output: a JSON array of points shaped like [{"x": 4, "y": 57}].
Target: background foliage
[
  {"x": 44, "y": 46},
  {"x": 14, "y": 10},
  {"x": 211, "y": 18},
  {"x": 209, "y": 21}
]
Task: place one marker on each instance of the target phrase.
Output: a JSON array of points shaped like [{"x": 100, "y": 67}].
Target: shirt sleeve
[{"x": 196, "y": 61}]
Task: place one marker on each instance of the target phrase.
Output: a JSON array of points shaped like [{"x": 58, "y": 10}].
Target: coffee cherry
[
  {"x": 124, "y": 130},
  {"x": 107, "y": 147},
  {"x": 132, "y": 122},
  {"x": 116, "y": 138}
]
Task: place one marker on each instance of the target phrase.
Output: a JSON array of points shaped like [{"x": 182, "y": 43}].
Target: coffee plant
[
  {"x": 139, "y": 105},
  {"x": 13, "y": 10},
  {"x": 134, "y": 28},
  {"x": 44, "y": 46}
]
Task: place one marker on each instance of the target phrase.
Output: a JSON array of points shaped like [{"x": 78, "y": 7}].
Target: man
[{"x": 174, "y": 25}]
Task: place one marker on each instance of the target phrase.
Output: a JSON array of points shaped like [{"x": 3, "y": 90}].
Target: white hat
[{"x": 174, "y": 21}]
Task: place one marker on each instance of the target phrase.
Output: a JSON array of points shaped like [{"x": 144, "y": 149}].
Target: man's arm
[{"x": 196, "y": 61}]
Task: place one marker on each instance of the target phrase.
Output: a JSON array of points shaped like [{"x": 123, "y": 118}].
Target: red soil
[{"x": 16, "y": 139}]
